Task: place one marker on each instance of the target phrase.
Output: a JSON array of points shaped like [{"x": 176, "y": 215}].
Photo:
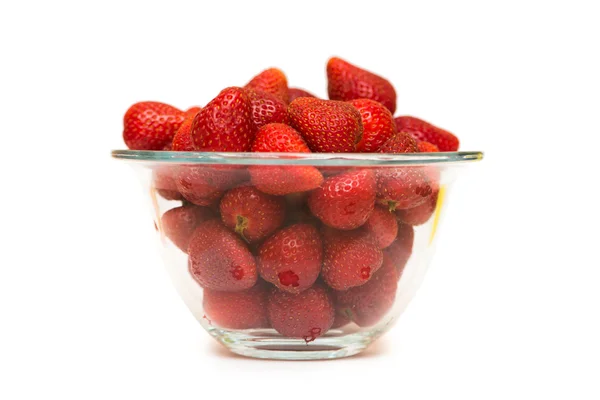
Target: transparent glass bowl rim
[{"x": 316, "y": 159}]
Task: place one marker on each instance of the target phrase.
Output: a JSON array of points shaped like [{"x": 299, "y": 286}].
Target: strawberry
[
  {"x": 251, "y": 213},
  {"x": 420, "y": 214},
  {"x": 306, "y": 315},
  {"x": 238, "y": 310},
  {"x": 163, "y": 180},
  {"x": 192, "y": 111},
  {"x": 402, "y": 187},
  {"x": 272, "y": 81},
  {"x": 341, "y": 320},
  {"x": 367, "y": 304},
  {"x": 378, "y": 124},
  {"x": 150, "y": 125},
  {"x": 344, "y": 201},
  {"x": 219, "y": 259},
  {"x": 424, "y": 131},
  {"x": 204, "y": 185},
  {"x": 296, "y": 92},
  {"x": 351, "y": 258},
  {"x": 280, "y": 180},
  {"x": 327, "y": 126},
  {"x": 400, "y": 143},
  {"x": 179, "y": 223},
  {"x": 426, "y": 147},
  {"x": 382, "y": 226},
  {"x": 182, "y": 141},
  {"x": 291, "y": 258},
  {"x": 349, "y": 82},
  {"x": 279, "y": 138},
  {"x": 400, "y": 250},
  {"x": 266, "y": 108},
  {"x": 225, "y": 124}
]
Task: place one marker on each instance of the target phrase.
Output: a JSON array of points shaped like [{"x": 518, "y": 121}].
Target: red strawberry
[
  {"x": 378, "y": 124},
  {"x": 402, "y": 187},
  {"x": 204, "y": 185},
  {"x": 367, "y": 304},
  {"x": 225, "y": 124},
  {"x": 164, "y": 182},
  {"x": 271, "y": 81},
  {"x": 183, "y": 137},
  {"x": 345, "y": 201},
  {"x": 426, "y": 147},
  {"x": 192, "y": 111},
  {"x": 238, "y": 310},
  {"x": 266, "y": 108},
  {"x": 400, "y": 143},
  {"x": 306, "y": 315},
  {"x": 382, "y": 226},
  {"x": 150, "y": 125},
  {"x": 327, "y": 126},
  {"x": 280, "y": 180},
  {"x": 351, "y": 258},
  {"x": 400, "y": 250},
  {"x": 291, "y": 258},
  {"x": 219, "y": 259},
  {"x": 424, "y": 131},
  {"x": 349, "y": 82},
  {"x": 341, "y": 320},
  {"x": 251, "y": 213},
  {"x": 179, "y": 223},
  {"x": 279, "y": 138},
  {"x": 420, "y": 214},
  {"x": 295, "y": 93}
]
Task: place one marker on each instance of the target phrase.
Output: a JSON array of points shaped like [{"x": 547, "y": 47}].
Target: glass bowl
[{"x": 297, "y": 256}]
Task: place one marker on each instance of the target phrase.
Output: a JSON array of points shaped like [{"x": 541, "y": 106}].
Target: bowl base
[{"x": 268, "y": 344}]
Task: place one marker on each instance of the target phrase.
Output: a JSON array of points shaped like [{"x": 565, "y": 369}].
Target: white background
[{"x": 510, "y": 308}]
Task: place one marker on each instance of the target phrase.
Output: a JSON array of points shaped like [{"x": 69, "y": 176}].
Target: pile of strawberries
[{"x": 298, "y": 248}]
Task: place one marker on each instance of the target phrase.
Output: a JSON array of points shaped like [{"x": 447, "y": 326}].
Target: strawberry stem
[{"x": 240, "y": 226}]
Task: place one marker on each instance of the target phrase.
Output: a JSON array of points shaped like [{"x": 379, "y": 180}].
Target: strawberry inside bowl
[{"x": 297, "y": 267}]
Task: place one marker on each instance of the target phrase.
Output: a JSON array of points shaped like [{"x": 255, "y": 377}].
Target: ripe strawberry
[
  {"x": 341, "y": 320},
  {"x": 382, "y": 226},
  {"x": 400, "y": 143},
  {"x": 179, "y": 223},
  {"x": 420, "y": 214},
  {"x": 251, "y": 213},
  {"x": 280, "y": 180},
  {"x": 225, "y": 124},
  {"x": 400, "y": 250},
  {"x": 266, "y": 108},
  {"x": 238, "y": 310},
  {"x": 349, "y": 82},
  {"x": 192, "y": 111},
  {"x": 163, "y": 180},
  {"x": 351, "y": 258},
  {"x": 279, "y": 138},
  {"x": 291, "y": 258},
  {"x": 378, "y": 124},
  {"x": 306, "y": 315},
  {"x": 426, "y": 147},
  {"x": 367, "y": 304},
  {"x": 296, "y": 92},
  {"x": 219, "y": 259},
  {"x": 182, "y": 141},
  {"x": 344, "y": 201},
  {"x": 327, "y": 126},
  {"x": 150, "y": 125},
  {"x": 272, "y": 81},
  {"x": 424, "y": 131},
  {"x": 204, "y": 185},
  {"x": 402, "y": 187}
]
